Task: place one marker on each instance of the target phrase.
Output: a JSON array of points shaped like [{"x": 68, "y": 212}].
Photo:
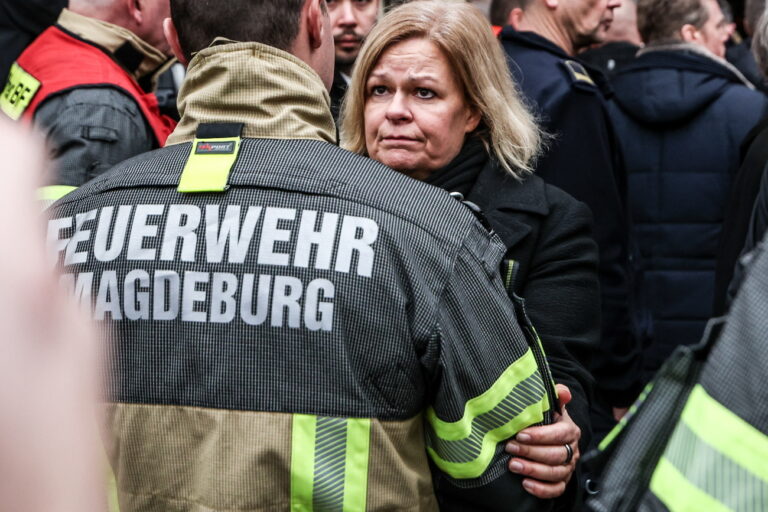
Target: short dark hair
[
  {"x": 660, "y": 21},
  {"x": 500, "y": 10},
  {"x": 271, "y": 22}
]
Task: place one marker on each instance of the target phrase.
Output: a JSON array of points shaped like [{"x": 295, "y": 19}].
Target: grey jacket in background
[{"x": 90, "y": 130}]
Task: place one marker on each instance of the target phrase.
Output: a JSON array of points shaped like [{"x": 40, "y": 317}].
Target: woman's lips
[{"x": 399, "y": 140}]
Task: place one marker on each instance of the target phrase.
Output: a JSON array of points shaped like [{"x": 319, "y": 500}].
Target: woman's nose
[{"x": 398, "y": 109}]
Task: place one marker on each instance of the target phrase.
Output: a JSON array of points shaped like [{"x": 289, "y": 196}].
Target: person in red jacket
[{"x": 86, "y": 82}]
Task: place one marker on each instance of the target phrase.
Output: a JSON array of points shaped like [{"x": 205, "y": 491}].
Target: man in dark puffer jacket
[{"x": 682, "y": 115}]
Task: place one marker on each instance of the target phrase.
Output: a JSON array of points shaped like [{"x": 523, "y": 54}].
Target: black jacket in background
[
  {"x": 741, "y": 56},
  {"x": 610, "y": 58},
  {"x": 756, "y": 232},
  {"x": 550, "y": 235},
  {"x": 741, "y": 203},
  {"x": 584, "y": 159},
  {"x": 338, "y": 90},
  {"x": 683, "y": 117},
  {"x": 21, "y": 21}
]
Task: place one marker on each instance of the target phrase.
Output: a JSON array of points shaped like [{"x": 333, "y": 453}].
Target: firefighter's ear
[
  {"x": 317, "y": 17},
  {"x": 172, "y": 36}
]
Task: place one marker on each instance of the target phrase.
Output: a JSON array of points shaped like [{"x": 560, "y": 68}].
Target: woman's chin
[{"x": 405, "y": 162}]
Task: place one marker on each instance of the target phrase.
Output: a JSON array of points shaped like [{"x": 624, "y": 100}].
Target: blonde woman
[{"x": 431, "y": 97}]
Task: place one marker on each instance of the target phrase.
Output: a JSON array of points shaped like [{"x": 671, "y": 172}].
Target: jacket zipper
[{"x": 532, "y": 337}]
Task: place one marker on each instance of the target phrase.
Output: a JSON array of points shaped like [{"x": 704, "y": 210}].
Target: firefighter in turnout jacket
[
  {"x": 87, "y": 83},
  {"x": 294, "y": 327}
]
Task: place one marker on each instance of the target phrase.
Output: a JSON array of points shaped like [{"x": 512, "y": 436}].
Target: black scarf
[{"x": 461, "y": 174}]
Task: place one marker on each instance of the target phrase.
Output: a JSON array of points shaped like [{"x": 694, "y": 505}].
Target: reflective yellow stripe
[
  {"x": 616, "y": 430},
  {"x": 678, "y": 494},
  {"x": 329, "y": 464},
  {"x": 113, "y": 504},
  {"x": 465, "y": 448},
  {"x": 302, "y": 462},
  {"x": 726, "y": 432},
  {"x": 356, "y": 467},
  {"x": 209, "y": 165},
  {"x": 18, "y": 92},
  {"x": 54, "y": 193}
]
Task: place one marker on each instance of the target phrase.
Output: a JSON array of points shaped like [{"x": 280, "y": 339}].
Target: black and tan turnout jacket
[{"x": 293, "y": 327}]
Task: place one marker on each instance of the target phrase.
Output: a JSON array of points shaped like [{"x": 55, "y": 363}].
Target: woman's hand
[{"x": 539, "y": 453}]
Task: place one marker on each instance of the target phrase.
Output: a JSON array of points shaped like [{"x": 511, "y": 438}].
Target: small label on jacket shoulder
[{"x": 215, "y": 148}]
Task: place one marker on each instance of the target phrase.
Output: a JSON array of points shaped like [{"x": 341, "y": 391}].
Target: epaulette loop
[{"x": 577, "y": 73}]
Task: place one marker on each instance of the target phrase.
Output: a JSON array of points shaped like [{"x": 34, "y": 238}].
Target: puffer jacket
[{"x": 681, "y": 116}]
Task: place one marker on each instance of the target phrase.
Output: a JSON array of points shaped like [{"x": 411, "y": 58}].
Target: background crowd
[{"x": 616, "y": 148}]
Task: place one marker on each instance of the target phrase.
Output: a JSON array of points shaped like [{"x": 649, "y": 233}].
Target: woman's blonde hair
[{"x": 464, "y": 36}]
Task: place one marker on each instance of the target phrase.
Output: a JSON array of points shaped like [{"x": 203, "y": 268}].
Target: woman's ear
[
  {"x": 473, "y": 120},
  {"x": 172, "y": 36}
]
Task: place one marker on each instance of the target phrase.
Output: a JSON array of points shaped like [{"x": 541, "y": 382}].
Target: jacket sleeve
[
  {"x": 585, "y": 160},
  {"x": 91, "y": 130},
  {"x": 562, "y": 294},
  {"x": 485, "y": 385}
]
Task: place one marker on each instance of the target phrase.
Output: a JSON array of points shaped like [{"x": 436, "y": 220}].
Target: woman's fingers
[
  {"x": 551, "y": 454},
  {"x": 562, "y": 431},
  {"x": 563, "y": 394},
  {"x": 543, "y": 472},
  {"x": 544, "y": 490}
]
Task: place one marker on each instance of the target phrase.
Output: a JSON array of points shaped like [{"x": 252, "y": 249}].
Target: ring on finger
[{"x": 568, "y": 454}]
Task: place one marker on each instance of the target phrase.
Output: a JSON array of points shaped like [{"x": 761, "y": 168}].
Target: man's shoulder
[
  {"x": 543, "y": 67},
  {"x": 89, "y": 96}
]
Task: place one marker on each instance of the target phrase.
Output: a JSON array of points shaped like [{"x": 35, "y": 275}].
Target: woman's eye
[
  {"x": 378, "y": 90},
  {"x": 425, "y": 94}
]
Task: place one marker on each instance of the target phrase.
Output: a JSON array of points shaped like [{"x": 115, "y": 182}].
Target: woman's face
[{"x": 416, "y": 117}]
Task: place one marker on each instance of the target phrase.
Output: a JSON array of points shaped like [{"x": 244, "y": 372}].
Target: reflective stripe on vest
[
  {"x": 465, "y": 448},
  {"x": 19, "y": 92},
  {"x": 715, "y": 461},
  {"x": 49, "y": 195},
  {"x": 619, "y": 427},
  {"x": 329, "y": 464}
]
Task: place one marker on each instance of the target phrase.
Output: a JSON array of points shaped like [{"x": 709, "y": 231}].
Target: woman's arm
[{"x": 561, "y": 288}]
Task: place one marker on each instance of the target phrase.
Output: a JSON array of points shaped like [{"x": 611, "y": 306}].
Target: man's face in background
[{"x": 352, "y": 21}]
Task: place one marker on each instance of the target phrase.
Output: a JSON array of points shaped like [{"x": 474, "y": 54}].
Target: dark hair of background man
[
  {"x": 500, "y": 9},
  {"x": 271, "y": 22},
  {"x": 659, "y": 21}
]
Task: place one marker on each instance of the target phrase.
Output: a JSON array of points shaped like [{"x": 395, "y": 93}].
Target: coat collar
[
  {"x": 686, "y": 56},
  {"x": 274, "y": 94},
  {"x": 533, "y": 40},
  {"x": 501, "y": 196},
  {"x": 142, "y": 60}
]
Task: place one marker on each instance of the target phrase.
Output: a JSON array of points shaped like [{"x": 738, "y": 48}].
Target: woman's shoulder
[{"x": 530, "y": 195}]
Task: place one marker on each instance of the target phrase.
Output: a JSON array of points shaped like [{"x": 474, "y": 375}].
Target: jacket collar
[
  {"x": 480, "y": 178},
  {"x": 274, "y": 94},
  {"x": 142, "y": 60},
  {"x": 533, "y": 40},
  {"x": 503, "y": 196},
  {"x": 686, "y": 56}
]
